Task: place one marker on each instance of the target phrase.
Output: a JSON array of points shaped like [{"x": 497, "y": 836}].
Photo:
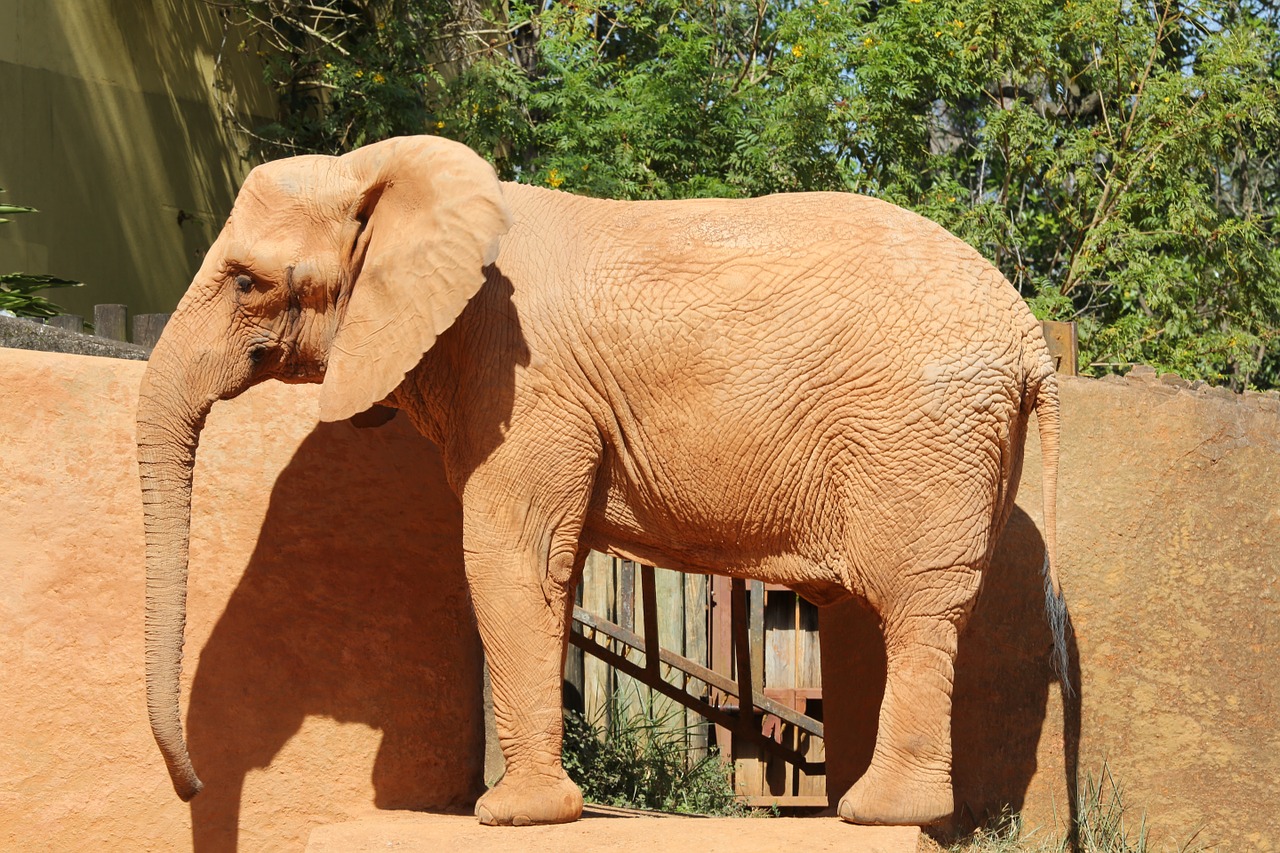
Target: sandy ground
[{"x": 614, "y": 830}]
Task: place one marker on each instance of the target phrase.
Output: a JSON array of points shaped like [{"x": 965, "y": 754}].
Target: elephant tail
[{"x": 1049, "y": 420}]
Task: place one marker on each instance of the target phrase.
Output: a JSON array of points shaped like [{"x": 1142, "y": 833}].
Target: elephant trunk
[{"x": 171, "y": 411}]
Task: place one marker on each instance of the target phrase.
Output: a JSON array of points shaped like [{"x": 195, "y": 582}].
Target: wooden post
[
  {"x": 649, "y": 594},
  {"x": 147, "y": 328},
  {"x": 1063, "y": 346},
  {"x": 109, "y": 321},
  {"x": 721, "y": 642},
  {"x": 627, "y": 594},
  {"x": 67, "y": 322},
  {"x": 696, "y": 612},
  {"x": 574, "y": 673},
  {"x": 757, "y": 636},
  {"x": 599, "y": 596}
]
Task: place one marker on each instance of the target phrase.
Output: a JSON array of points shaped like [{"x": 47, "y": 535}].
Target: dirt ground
[{"x": 613, "y": 830}]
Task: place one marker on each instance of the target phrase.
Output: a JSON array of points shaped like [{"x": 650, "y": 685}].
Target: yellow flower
[
  {"x": 797, "y": 51},
  {"x": 868, "y": 41},
  {"x": 378, "y": 78},
  {"x": 359, "y": 74},
  {"x": 951, "y": 198},
  {"x": 937, "y": 34},
  {"x": 554, "y": 178},
  {"x": 959, "y": 25},
  {"x": 328, "y": 66},
  {"x": 382, "y": 25},
  {"x": 439, "y": 125}
]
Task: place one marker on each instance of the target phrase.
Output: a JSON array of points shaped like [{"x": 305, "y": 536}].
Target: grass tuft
[
  {"x": 639, "y": 759},
  {"x": 1106, "y": 825}
]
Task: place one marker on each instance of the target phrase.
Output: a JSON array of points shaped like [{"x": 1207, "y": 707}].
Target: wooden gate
[{"x": 715, "y": 640}]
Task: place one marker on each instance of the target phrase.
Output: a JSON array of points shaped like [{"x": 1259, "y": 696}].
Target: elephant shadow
[
  {"x": 349, "y": 609},
  {"x": 1000, "y": 699}
]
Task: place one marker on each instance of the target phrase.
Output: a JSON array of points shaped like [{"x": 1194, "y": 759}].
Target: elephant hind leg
[{"x": 909, "y": 779}]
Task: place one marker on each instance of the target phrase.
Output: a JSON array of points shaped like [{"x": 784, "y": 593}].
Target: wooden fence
[
  {"x": 111, "y": 321},
  {"x": 722, "y": 651}
]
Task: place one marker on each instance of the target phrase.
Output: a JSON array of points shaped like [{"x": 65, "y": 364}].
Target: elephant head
[{"x": 341, "y": 270}]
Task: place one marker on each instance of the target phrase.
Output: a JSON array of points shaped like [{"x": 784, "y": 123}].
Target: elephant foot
[
  {"x": 883, "y": 799},
  {"x": 530, "y": 801}
]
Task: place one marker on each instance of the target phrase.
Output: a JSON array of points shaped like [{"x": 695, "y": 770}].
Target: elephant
[{"x": 820, "y": 390}]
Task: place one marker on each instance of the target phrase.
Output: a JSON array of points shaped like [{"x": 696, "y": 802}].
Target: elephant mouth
[{"x": 283, "y": 360}]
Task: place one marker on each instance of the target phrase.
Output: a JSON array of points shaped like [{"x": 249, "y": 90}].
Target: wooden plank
[
  {"x": 809, "y": 653},
  {"x": 720, "y": 640},
  {"x": 109, "y": 321},
  {"x": 811, "y": 784},
  {"x": 574, "y": 675},
  {"x": 598, "y": 596},
  {"x": 766, "y": 800},
  {"x": 780, "y": 639},
  {"x": 626, "y": 594},
  {"x": 630, "y": 694},
  {"x": 1063, "y": 344},
  {"x": 67, "y": 322},
  {"x": 147, "y": 328},
  {"x": 748, "y": 765},
  {"x": 669, "y": 602},
  {"x": 714, "y": 679},
  {"x": 696, "y": 620},
  {"x": 652, "y": 638},
  {"x": 756, "y": 601}
]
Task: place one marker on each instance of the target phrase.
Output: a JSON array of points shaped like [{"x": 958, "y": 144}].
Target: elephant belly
[{"x": 869, "y": 474}]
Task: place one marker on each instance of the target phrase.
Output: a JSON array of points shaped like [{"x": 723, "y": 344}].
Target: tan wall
[
  {"x": 1169, "y": 519},
  {"x": 109, "y": 127},
  {"x": 332, "y": 664},
  {"x": 320, "y": 688}
]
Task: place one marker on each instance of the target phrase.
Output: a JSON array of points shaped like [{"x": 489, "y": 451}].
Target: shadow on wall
[
  {"x": 1003, "y": 679},
  {"x": 340, "y": 614}
]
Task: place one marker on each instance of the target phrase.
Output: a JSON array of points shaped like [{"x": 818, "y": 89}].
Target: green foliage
[
  {"x": 17, "y": 289},
  {"x": 639, "y": 759},
  {"x": 1115, "y": 160}
]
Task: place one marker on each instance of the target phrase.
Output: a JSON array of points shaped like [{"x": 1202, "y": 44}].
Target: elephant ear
[{"x": 426, "y": 222}]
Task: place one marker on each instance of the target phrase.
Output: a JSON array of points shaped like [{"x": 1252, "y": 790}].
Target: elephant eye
[{"x": 244, "y": 283}]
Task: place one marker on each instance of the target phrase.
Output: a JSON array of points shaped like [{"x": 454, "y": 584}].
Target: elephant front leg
[
  {"x": 522, "y": 598},
  {"x": 909, "y": 780}
]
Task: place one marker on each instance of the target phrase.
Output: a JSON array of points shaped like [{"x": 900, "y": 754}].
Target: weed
[
  {"x": 1102, "y": 828},
  {"x": 639, "y": 759}
]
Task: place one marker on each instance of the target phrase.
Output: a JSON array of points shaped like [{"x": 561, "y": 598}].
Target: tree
[{"x": 1115, "y": 159}]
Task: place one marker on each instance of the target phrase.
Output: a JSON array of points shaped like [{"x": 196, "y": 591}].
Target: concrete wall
[
  {"x": 111, "y": 130},
  {"x": 1169, "y": 522},
  {"x": 332, "y": 664}
]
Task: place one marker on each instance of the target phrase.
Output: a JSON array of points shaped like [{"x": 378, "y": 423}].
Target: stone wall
[
  {"x": 331, "y": 663},
  {"x": 1169, "y": 526}
]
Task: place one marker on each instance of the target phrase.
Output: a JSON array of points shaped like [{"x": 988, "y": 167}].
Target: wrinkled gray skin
[{"x": 817, "y": 390}]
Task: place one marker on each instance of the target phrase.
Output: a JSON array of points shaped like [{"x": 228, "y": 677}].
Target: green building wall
[{"x": 109, "y": 126}]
